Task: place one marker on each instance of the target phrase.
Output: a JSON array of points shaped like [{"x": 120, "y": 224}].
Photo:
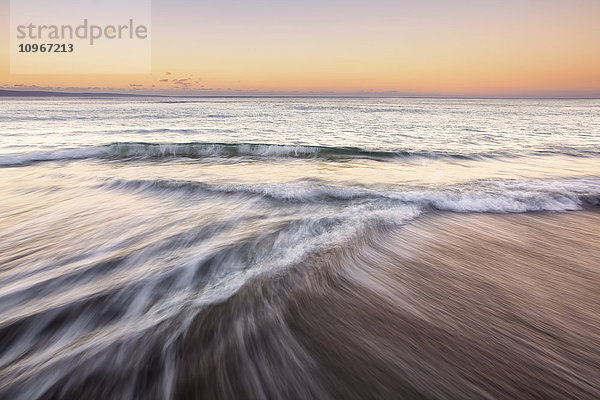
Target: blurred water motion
[{"x": 299, "y": 248}]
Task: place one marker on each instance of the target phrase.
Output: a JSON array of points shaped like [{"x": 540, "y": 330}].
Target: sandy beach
[{"x": 448, "y": 306}]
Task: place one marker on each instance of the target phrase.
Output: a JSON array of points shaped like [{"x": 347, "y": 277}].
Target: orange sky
[{"x": 500, "y": 48}]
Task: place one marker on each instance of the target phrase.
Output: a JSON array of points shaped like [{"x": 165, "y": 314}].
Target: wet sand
[{"x": 450, "y": 306}]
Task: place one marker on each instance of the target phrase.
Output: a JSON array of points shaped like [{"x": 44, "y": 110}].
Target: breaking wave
[
  {"x": 149, "y": 151},
  {"x": 491, "y": 196}
]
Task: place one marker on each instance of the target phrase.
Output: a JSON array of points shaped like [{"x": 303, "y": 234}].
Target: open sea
[{"x": 161, "y": 248}]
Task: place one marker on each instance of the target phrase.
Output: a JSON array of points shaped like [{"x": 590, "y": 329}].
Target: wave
[
  {"x": 483, "y": 197},
  {"x": 127, "y": 150}
]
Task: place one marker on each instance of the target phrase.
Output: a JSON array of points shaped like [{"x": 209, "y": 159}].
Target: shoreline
[{"x": 450, "y": 305}]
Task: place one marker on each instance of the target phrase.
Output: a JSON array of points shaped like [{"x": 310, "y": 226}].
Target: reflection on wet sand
[{"x": 449, "y": 306}]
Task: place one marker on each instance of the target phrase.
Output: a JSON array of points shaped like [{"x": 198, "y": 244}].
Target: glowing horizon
[{"x": 440, "y": 48}]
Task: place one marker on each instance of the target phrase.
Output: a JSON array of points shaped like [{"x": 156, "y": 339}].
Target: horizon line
[{"x": 389, "y": 95}]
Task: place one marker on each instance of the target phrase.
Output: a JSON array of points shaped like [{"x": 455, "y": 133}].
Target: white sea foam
[{"x": 494, "y": 196}]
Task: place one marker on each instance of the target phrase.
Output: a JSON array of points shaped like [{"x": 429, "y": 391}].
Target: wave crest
[{"x": 147, "y": 151}]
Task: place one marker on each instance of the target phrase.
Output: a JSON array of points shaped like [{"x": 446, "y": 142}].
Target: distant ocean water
[{"x": 121, "y": 220}]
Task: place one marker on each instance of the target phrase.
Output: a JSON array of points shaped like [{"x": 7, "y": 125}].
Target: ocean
[{"x": 299, "y": 248}]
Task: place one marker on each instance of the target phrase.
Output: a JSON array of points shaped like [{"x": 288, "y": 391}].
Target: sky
[{"x": 427, "y": 48}]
